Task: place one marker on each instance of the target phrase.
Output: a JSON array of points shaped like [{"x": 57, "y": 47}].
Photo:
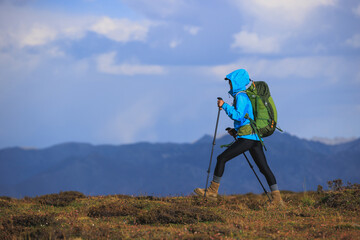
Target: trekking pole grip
[{"x": 219, "y": 98}]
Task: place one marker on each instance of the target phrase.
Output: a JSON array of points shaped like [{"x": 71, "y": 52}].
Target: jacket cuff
[{"x": 225, "y": 106}]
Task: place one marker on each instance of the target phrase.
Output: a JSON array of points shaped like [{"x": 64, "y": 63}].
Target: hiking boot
[
  {"x": 276, "y": 199},
  {"x": 211, "y": 192}
]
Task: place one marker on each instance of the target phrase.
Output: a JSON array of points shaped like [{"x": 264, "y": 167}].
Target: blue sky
[{"x": 124, "y": 71}]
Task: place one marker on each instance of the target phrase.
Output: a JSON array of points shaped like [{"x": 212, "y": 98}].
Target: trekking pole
[
  {"x": 212, "y": 149},
  {"x": 257, "y": 177},
  {"x": 251, "y": 166}
]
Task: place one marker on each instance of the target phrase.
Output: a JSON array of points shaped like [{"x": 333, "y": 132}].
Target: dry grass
[
  {"x": 61, "y": 199},
  {"x": 310, "y": 215}
]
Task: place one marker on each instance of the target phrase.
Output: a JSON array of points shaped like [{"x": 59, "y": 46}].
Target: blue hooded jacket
[{"x": 239, "y": 80}]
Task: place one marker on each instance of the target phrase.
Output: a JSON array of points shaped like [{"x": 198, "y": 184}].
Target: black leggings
[{"x": 240, "y": 146}]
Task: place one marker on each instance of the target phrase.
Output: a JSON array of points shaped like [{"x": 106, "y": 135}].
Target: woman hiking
[{"x": 238, "y": 80}]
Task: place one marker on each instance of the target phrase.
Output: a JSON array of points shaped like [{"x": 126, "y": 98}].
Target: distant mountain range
[{"x": 163, "y": 169}]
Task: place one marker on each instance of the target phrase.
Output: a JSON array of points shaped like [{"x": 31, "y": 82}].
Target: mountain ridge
[{"x": 170, "y": 168}]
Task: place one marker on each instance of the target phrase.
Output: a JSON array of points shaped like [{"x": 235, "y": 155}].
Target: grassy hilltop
[{"x": 71, "y": 215}]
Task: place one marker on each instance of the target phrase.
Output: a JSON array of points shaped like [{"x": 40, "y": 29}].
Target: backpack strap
[
  {"x": 234, "y": 102},
  {"x": 255, "y": 129}
]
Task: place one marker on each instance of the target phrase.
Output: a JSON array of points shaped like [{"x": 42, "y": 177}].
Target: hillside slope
[{"x": 72, "y": 215}]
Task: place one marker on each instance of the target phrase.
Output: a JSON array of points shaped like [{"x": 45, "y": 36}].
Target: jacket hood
[{"x": 239, "y": 79}]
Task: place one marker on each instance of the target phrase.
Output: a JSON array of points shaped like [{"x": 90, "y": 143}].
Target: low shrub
[
  {"x": 201, "y": 201},
  {"x": 151, "y": 198},
  {"x": 348, "y": 199},
  {"x": 307, "y": 201},
  {"x": 122, "y": 196},
  {"x": 4, "y": 203},
  {"x": 250, "y": 200},
  {"x": 31, "y": 220},
  {"x": 6, "y": 198},
  {"x": 212, "y": 230},
  {"x": 335, "y": 185},
  {"x": 177, "y": 214},
  {"x": 255, "y": 205},
  {"x": 113, "y": 210},
  {"x": 61, "y": 199}
]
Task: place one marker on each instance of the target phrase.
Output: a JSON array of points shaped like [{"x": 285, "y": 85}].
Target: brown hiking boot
[
  {"x": 276, "y": 199},
  {"x": 211, "y": 192}
]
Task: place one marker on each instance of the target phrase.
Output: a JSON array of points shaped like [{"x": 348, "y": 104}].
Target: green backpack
[{"x": 265, "y": 114}]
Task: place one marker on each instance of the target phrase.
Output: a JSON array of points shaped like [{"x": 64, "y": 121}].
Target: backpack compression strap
[{"x": 254, "y": 127}]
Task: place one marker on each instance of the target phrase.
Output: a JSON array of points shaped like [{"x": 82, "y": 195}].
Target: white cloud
[
  {"x": 23, "y": 26},
  {"x": 290, "y": 11},
  {"x": 307, "y": 68},
  {"x": 55, "y": 52},
  {"x": 75, "y": 31},
  {"x": 292, "y": 5},
  {"x": 252, "y": 43},
  {"x": 19, "y": 62},
  {"x": 193, "y": 30},
  {"x": 354, "y": 41},
  {"x": 175, "y": 43},
  {"x": 122, "y": 30},
  {"x": 38, "y": 35},
  {"x": 106, "y": 64},
  {"x": 357, "y": 10}
]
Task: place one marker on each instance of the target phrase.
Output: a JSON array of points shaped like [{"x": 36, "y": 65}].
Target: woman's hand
[
  {"x": 220, "y": 103},
  {"x": 231, "y": 131}
]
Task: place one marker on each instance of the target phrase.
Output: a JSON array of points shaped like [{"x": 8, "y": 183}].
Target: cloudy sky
[{"x": 124, "y": 71}]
